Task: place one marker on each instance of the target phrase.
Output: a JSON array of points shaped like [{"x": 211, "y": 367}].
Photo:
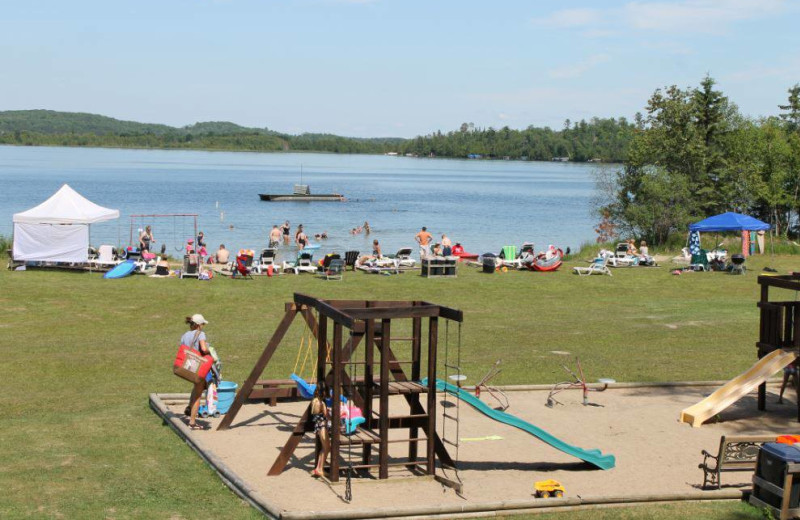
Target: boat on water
[{"x": 302, "y": 193}]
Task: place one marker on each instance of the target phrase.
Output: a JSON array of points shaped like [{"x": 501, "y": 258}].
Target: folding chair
[{"x": 334, "y": 270}]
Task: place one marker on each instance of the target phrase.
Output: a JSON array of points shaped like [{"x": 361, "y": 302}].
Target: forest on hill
[{"x": 597, "y": 139}]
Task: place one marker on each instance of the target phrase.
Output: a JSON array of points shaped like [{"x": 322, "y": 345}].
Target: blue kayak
[{"x": 121, "y": 270}]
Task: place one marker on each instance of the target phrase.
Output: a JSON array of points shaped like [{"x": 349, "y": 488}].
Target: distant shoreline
[{"x": 281, "y": 152}]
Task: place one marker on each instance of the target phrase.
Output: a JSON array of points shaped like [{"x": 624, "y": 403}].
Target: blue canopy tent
[
  {"x": 730, "y": 222},
  {"x": 727, "y": 222}
]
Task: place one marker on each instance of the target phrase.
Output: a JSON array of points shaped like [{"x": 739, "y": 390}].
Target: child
[{"x": 322, "y": 425}]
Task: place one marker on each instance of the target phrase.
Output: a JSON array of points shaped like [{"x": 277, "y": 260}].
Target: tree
[{"x": 792, "y": 109}]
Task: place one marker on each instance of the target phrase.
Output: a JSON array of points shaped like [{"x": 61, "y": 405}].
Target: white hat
[{"x": 198, "y": 319}]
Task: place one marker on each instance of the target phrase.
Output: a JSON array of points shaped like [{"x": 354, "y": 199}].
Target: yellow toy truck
[{"x": 548, "y": 488}]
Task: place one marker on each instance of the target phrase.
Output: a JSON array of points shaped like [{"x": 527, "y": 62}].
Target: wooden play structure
[
  {"x": 340, "y": 327},
  {"x": 779, "y": 327}
]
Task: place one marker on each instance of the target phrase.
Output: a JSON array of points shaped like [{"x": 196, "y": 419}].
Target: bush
[{"x": 5, "y": 245}]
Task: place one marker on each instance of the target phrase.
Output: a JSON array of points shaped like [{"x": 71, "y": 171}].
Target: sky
[{"x": 379, "y": 68}]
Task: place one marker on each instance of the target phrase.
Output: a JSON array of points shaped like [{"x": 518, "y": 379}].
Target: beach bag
[{"x": 190, "y": 364}]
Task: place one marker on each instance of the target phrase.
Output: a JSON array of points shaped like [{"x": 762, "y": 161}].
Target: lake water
[{"x": 482, "y": 204}]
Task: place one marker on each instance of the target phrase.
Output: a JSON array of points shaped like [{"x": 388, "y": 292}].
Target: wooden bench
[
  {"x": 736, "y": 453},
  {"x": 272, "y": 389}
]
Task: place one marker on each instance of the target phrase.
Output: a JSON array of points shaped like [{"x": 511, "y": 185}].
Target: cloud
[
  {"x": 570, "y": 18},
  {"x": 693, "y": 16},
  {"x": 578, "y": 69},
  {"x": 705, "y": 16}
]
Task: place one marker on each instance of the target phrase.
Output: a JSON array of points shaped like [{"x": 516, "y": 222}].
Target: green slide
[{"x": 595, "y": 457}]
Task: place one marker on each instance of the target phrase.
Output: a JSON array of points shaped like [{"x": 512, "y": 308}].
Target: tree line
[
  {"x": 694, "y": 155},
  {"x": 597, "y": 139}
]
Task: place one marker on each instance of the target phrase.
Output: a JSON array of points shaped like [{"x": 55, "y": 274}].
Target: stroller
[{"x": 242, "y": 266}]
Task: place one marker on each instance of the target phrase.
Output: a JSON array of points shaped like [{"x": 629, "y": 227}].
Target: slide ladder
[
  {"x": 737, "y": 387},
  {"x": 592, "y": 456}
]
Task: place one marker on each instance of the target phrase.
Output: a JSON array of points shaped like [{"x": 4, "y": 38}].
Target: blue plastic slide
[{"x": 595, "y": 457}]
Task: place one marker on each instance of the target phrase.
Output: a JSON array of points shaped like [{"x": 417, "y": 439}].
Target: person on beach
[
  {"x": 447, "y": 245},
  {"x": 789, "y": 372},
  {"x": 274, "y": 237},
  {"x": 223, "y": 254},
  {"x": 286, "y": 230},
  {"x": 376, "y": 254},
  {"x": 437, "y": 250},
  {"x": 322, "y": 425},
  {"x": 300, "y": 237},
  {"x": 632, "y": 248},
  {"x": 321, "y": 236},
  {"x": 196, "y": 339},
  {"x": 423, "y": 238},
  {"x": 366, "y": 227},
  {"x": 201, "y": 244},
  {"x": 145, "y": 238}
]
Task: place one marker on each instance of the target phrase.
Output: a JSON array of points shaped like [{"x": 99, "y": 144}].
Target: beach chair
[
  {"x": 327, "y": 261},
  {"x": 350, "y": 258},
  {"x": 303, "y": 263},
  {"x": 105, "y": 257},
  {"x": 699, "y": 261},
  {"x": 191, "y": 266},
  {"x": 265, "y": 260},
  {"x": 403, "y": 257},
  {"x": 334, "y": 270},
  {"x": 509, "y": 256},
  {"x": 598, "y": 266},
  {"x": 243, "y": 266}
]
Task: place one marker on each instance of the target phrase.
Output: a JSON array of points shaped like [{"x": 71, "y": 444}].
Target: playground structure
[
  {"x": 340, "y": 327},
  {"x": 778, "y": 346},
  {"x": 140, "y": 221}
]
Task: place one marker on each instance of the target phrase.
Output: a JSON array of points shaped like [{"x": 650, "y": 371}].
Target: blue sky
[{"x": 388, "y": 67}]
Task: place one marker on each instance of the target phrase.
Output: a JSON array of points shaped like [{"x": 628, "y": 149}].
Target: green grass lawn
[{"x": 81, "y": 355}]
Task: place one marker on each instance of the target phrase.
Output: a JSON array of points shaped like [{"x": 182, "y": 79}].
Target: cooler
[{"x": 771, "y": 467}]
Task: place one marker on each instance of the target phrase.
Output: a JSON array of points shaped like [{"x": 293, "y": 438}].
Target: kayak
[{"x": 463, "y": 255}]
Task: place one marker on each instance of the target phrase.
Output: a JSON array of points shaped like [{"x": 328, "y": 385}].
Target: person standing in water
[
  {"x": 274, "y": 237},
  {"x": 286, "y": 230}
]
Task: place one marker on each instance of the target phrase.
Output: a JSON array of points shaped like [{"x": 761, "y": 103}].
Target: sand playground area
[{"x": 657, "y": 456}]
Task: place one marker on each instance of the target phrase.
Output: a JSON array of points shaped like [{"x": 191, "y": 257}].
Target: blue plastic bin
[{"x": 226, "y": 392}]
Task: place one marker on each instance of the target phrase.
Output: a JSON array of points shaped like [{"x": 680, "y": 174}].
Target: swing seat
[
  {"x": 304, "y": 388},
  {"x": 351, "y": 425}
]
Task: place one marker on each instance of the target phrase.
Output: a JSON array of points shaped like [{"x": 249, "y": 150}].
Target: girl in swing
[{"x": 322, "y": 425}]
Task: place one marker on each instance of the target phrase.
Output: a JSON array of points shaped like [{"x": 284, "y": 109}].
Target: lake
[{"x": 482, "y": 204}]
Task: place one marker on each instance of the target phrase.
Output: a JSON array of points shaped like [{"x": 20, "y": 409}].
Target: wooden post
[
  {"x": 369, "y": 381},
  {"x": 762, "y": 388},
  {"x": 336, "y": 405},
  {"x": 416, "y": 362},
  {"x": 269, "y": 350},
  {"x": 433, "y": 333},
  {"x": 322, "y": 354},
  {"x": 383, "y": 453}
]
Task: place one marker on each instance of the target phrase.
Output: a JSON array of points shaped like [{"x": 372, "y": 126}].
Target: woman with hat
[{"x": 196, "y": 339}]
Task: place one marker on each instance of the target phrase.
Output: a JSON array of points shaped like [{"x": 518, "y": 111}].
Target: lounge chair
[
  {"x": 699, "y": 261},
  {"x": 105, "y": 257},
  {"x": 403, "y": 257},
  {"x": 598, "y": 266},
  {"x": 191, "y": 265},
  {"x": 304, "y": 263},
  {"x": 350, "y": 258},
  {"x": 334, "y": 270},
  {"x": 265, "y": 260}
]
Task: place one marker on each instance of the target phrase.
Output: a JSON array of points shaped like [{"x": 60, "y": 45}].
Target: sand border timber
[{"x": 159, "y": 403}]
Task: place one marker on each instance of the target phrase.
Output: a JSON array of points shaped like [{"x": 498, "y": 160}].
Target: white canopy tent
[{"x": 57, "y": 230}]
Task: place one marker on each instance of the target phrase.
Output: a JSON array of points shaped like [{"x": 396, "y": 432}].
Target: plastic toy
[{"x": 548, "y": 488}]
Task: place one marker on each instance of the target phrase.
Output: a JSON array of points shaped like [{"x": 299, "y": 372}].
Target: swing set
[
  {"x": 140, "y": 221},
  {"x": 339, "y": 328}
]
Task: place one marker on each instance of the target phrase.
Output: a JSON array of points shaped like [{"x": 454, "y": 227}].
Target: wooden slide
[{"x": 737, "y": 387}]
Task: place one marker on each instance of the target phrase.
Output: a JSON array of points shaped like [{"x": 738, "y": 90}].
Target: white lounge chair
[
  {"x": 105, "y": 257},
  {"x": 599, "y": 266}
]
